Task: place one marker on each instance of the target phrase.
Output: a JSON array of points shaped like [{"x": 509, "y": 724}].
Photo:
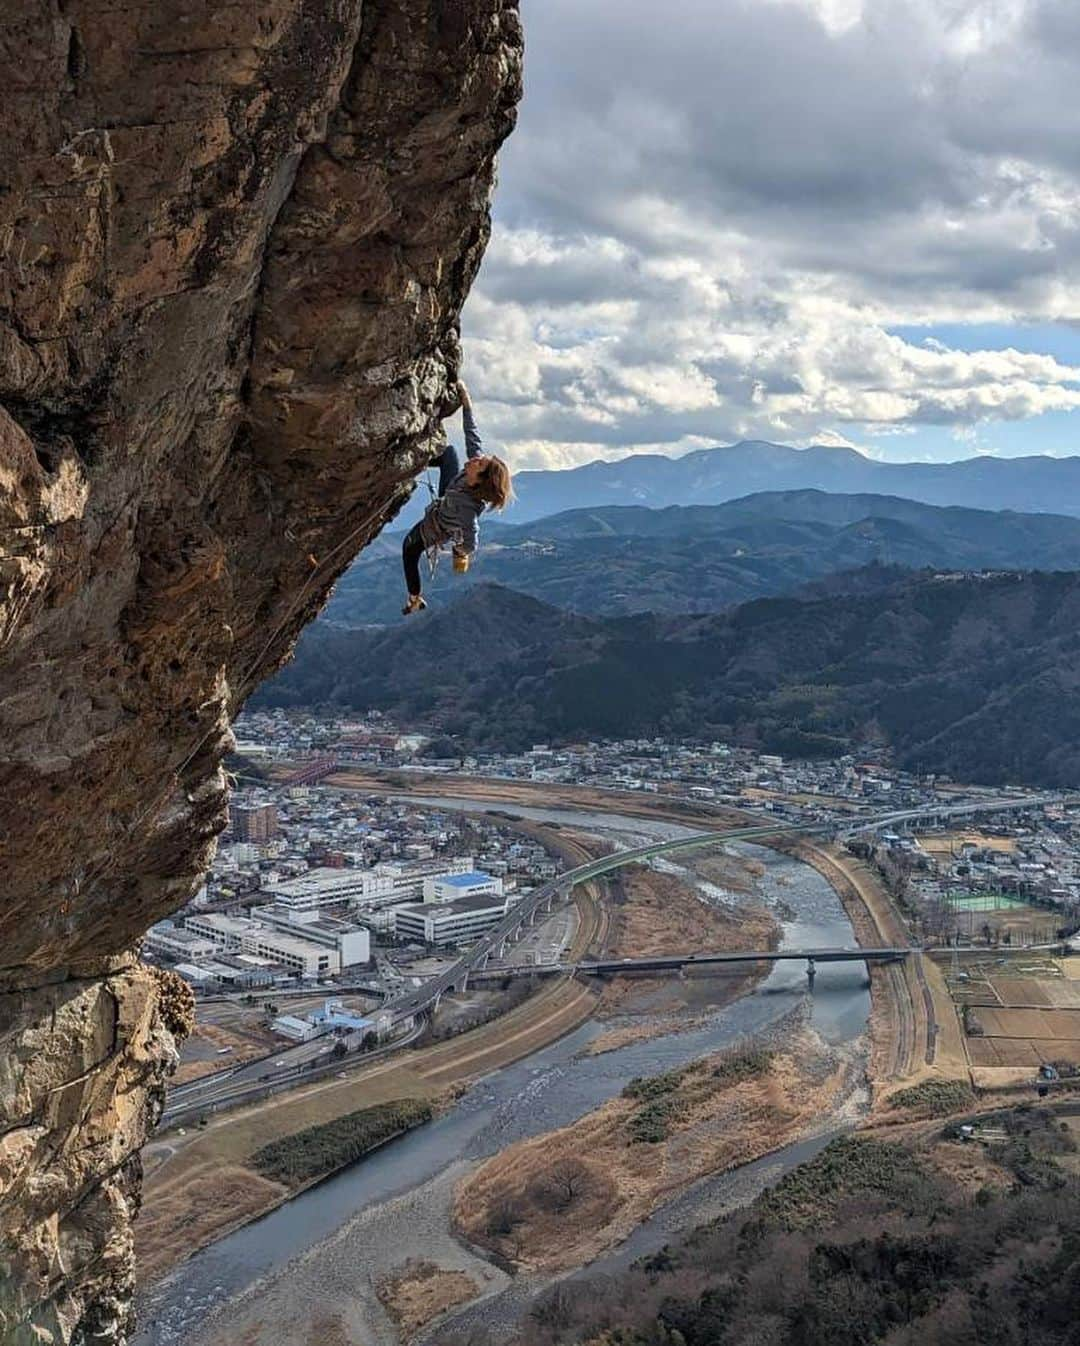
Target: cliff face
[{"x": 236, "y": 239}]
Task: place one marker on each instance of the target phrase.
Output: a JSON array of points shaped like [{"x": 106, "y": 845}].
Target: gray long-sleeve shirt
[{"x": 454, "y": 517}]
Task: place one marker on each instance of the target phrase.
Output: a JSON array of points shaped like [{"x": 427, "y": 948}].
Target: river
[{"x": 546, "y": 1090}]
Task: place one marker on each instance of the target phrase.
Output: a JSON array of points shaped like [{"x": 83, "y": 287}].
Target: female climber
[{"x": 452, "y": 518}]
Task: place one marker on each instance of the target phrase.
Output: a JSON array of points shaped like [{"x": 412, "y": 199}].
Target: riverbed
[{"x": 323, "y": 1251}]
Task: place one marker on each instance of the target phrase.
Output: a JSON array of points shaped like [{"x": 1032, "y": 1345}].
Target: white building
[
  {"x": 172, "y": 942},
  {"x": 226, "y": 932},
  {"x": 451, "y": 887},
  {"x": 363, "y": 889},
  {"x": 352, "y": 942},
  {"x": 197, "y": 975},
  {"x": 298, "y": 955},
  {"x": 240, "y": 853},
  {"x": 314, "y": 956},
  {"x": 299, "y": 1030},
  {"x": 442, "y": 923}
]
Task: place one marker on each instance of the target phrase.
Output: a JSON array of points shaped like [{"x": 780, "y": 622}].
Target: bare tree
[
  {"x": 565, "y": 1182},
  {"x": 505, "y": 1213}
]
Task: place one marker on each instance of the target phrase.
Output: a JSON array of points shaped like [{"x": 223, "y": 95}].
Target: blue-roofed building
[
  {"x": 453, "y": 887},
  {"x": 337, "y": 1018}
]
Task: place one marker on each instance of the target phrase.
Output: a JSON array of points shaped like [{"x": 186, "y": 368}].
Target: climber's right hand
[{"x": 461, "y": 562}]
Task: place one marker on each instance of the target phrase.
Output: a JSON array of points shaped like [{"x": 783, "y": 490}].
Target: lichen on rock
[{"x": 236, "y": 240}]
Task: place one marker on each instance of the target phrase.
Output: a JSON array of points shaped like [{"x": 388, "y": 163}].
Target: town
[
  {"x": 382, "y": 913},
  {"x": 319, "y": 890}
]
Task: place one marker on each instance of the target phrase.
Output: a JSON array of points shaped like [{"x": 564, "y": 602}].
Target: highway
[
  {"x": 229, "y": 1088},
  {"x": 232, "y": 1085},
  {"x": 419, "y": 999}
]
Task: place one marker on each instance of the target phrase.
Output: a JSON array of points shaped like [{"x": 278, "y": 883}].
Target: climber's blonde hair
[{"x": 494, "y": 484}]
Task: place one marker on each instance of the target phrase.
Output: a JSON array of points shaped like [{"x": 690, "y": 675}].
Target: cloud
[{"x": 714, "y": 211}]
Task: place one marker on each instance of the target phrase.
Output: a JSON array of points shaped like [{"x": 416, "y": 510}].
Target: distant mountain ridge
[
  {"x": 978, "y": 678},
  {"x": 622, "y": 559},
  {"x": 1034, "y": 484}
]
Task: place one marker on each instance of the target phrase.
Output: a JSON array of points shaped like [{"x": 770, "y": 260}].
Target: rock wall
[{"x": 236, "y": 239}]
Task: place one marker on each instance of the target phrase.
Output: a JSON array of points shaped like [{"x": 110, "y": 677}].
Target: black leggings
[{"x": 412, "y": 548}]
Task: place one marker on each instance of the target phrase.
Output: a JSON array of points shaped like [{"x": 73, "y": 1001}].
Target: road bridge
[
  {"x": 236, "y": 1082},
  {"x": 663, "y": 963},
  {"x": 421, "y": 999}
]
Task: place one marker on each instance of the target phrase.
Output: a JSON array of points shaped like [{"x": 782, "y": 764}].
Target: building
[
  {"x": 337, "y": 1019},
  {"x": 291, "y": 1026},
  {"x": 253, "y": 822},
  {"x": 172, "y": 942},
  {"x": 362, "y": 889},
  {"x": 451, "y": 887},
  {"x": 195, "y": 973},
  {"x": 442, "y": 923},
  {"x": 300, "y": 956},
  {"x": 227, "y": 932},
  {"x": 237, "y": 973},
  {"x": 352, "y": 942},
  {"x": 240, "y": 853},
  {"x": 241, "y": 972},
  {"x": 309, "y": 949}
]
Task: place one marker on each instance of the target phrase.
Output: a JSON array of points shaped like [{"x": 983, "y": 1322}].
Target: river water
[{"x": 549, "y": 1089}]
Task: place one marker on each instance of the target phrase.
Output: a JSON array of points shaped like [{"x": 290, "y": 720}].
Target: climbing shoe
[{"x": 415, "y": 604}]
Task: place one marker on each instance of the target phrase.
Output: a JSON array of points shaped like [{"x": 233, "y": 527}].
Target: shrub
[
  {"x": 743, "y": 1063},
  {"x": 808, "y": 1196},
  {"x": 645, "y": 1087},
  {"x": 319, "y": 1150},
  {"x": 651, "y": 1123},
  {"x": 939, "y": 1097}
]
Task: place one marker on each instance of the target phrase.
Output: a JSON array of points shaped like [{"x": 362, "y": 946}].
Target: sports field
[{"x": 985, "y": 902}]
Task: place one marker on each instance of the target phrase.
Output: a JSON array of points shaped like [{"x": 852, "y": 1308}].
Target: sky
[{"x": 849, "y": 222}]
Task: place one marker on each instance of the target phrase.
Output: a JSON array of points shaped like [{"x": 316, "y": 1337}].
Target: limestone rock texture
[{"x": 235, "y": 241}]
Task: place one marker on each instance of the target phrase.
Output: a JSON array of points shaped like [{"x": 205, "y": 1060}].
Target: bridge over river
[
  {"x": 659, "y": 963},
  {"x": 421, "y": 999},
  {"x": 239, "y": 1082}
]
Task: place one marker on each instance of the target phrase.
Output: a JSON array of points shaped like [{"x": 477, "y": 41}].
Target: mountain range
[
  {"x": 975, "y": 677},
  {"x": 623, "y": 559},
  {"x": 712, "y": 476}
]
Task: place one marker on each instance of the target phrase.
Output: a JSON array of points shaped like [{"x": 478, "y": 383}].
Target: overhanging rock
[{"x": 236, "y": 243}]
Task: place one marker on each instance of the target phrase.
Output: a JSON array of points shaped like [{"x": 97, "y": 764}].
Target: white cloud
[{"x": 714, "y": 211}]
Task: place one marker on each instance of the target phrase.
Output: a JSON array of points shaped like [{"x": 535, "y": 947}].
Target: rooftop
[
  {"x": 463, "y": 880},
  {"x": 460, "y": 906}
]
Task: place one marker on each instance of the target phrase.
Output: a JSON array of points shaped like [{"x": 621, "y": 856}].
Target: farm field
[{"x": 1020, "y": 1013}]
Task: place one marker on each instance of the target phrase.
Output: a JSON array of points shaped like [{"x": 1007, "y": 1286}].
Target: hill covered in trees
[
  {"x": 975, "y": 677},
  {"x": 924, "y": 1242},
  {"x": 704, "y": 558}
]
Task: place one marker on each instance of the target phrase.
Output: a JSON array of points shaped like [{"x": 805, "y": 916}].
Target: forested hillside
[
  {"x": 919, "y": 1243},
  {"x": 620, "y": 560},
  {"x": 975, "y": 677}
]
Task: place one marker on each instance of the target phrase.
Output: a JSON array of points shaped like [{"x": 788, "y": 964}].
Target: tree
[
  {"x": 505, "y": 1213},
  {"x": 564, "y": 1183}
]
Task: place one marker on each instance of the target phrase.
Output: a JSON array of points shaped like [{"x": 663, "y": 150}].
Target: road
[
  {"x": 231, "y": 1088},
  {"x": 237, "y": 1082},
  {"x": 420, "y": 999},
  {"x": 676, "y": 962}
]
